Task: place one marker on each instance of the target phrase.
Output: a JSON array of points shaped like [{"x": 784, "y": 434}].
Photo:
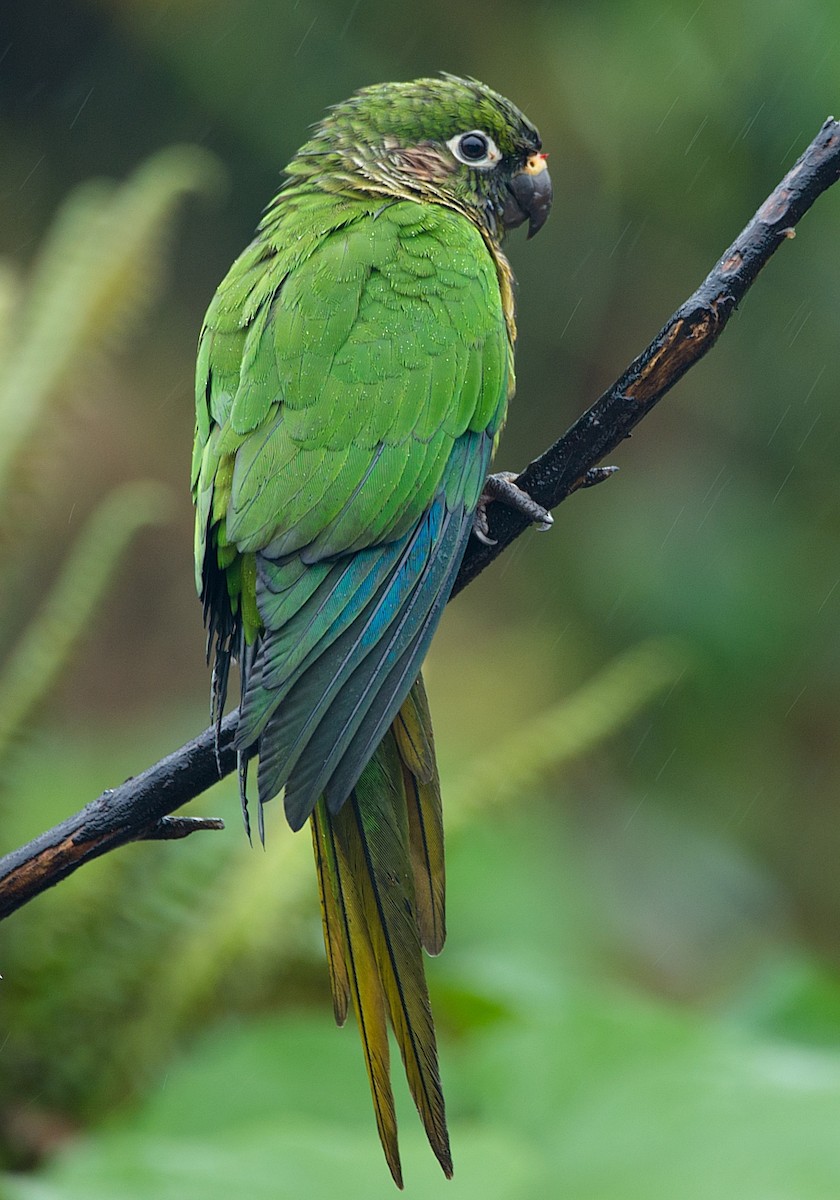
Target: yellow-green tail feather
[
  {"x": 380, "y": 874},
  {"x": 358, "y": 972}
]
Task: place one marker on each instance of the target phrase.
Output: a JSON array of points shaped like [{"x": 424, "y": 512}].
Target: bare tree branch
[
  {"x": 683, "y": 340},
  {"x": 136, "y": 811},
  {"x": 139, "y": 808}
]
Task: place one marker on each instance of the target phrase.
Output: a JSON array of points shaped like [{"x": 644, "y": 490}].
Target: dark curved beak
[{"x": 529, "y": 196}]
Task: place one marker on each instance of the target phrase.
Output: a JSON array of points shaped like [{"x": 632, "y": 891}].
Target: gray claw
[
  {"x": 503, "y": 487},
  {"x": 480, "y": 527}
]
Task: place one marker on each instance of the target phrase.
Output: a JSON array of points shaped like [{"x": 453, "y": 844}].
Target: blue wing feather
[{"x": 325, "y": 684}]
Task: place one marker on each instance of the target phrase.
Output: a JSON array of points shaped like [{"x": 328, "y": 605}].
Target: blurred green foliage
[
  {"x": 90, "y": 278},
  {"x": 640, "y": 993}
]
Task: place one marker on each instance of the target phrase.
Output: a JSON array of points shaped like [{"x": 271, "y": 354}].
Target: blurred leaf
[
  {"x": 99, "y": 264},
  {"x": 10, "y": 299},
  {"x": 569, "y": 729},
  {"x": 683, "y": 909},
  {"x": 48, "y": 641},
  {"x": 792, "y": 998}
]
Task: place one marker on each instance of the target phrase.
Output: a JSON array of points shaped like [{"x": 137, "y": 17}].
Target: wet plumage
[{"x": 353, "y": 374}]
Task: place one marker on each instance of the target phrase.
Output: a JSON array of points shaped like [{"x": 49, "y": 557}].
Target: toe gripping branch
[{"x": 503, "y": 488}]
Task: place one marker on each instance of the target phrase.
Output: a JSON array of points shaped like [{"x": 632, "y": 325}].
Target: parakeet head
[{"x": 450, "y": 141}]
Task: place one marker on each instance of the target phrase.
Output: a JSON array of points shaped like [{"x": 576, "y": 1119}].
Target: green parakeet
[{"x": 353, "y": 373}]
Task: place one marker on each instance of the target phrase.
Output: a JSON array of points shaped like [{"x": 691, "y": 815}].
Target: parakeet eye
[
  {"x": 476, "y": 149},
  {"x": 472, "y": 146}
]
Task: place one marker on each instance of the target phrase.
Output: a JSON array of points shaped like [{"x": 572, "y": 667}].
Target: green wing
[
  {"x": 334, "y": 380},
  {"x": 348, "y": 388}
]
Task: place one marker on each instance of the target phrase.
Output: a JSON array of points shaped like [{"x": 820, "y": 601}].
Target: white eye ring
[{"x": 488, "y": 159}]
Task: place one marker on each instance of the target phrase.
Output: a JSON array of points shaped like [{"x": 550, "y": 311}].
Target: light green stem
[{"x": 47, "y": 642}]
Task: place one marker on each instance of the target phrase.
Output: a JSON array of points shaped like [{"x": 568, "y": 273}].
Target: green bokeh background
[{"x": 640, "y": 996}]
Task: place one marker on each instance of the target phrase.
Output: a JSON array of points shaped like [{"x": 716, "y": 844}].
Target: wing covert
[{"x": 359, "y": 366}]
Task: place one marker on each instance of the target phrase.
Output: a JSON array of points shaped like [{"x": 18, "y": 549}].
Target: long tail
[{"x": 381, "y": 879}]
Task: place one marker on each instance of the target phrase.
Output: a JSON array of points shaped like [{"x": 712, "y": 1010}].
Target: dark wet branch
[
  {"x": 683, "y": 340},
  {"x": 136, "y": 811},
  {"x": 139, "y": 808}
]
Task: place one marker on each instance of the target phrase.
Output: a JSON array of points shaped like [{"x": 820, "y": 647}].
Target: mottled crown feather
[
  {"x": 432, "y": 109},
  {"x": 417, "y": 111}
]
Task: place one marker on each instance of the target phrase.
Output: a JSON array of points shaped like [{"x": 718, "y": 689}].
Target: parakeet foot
[{"x": 502, "y": 487}]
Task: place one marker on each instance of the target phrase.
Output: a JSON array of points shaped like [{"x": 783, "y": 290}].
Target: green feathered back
[{"x": 338, "y": 374}]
